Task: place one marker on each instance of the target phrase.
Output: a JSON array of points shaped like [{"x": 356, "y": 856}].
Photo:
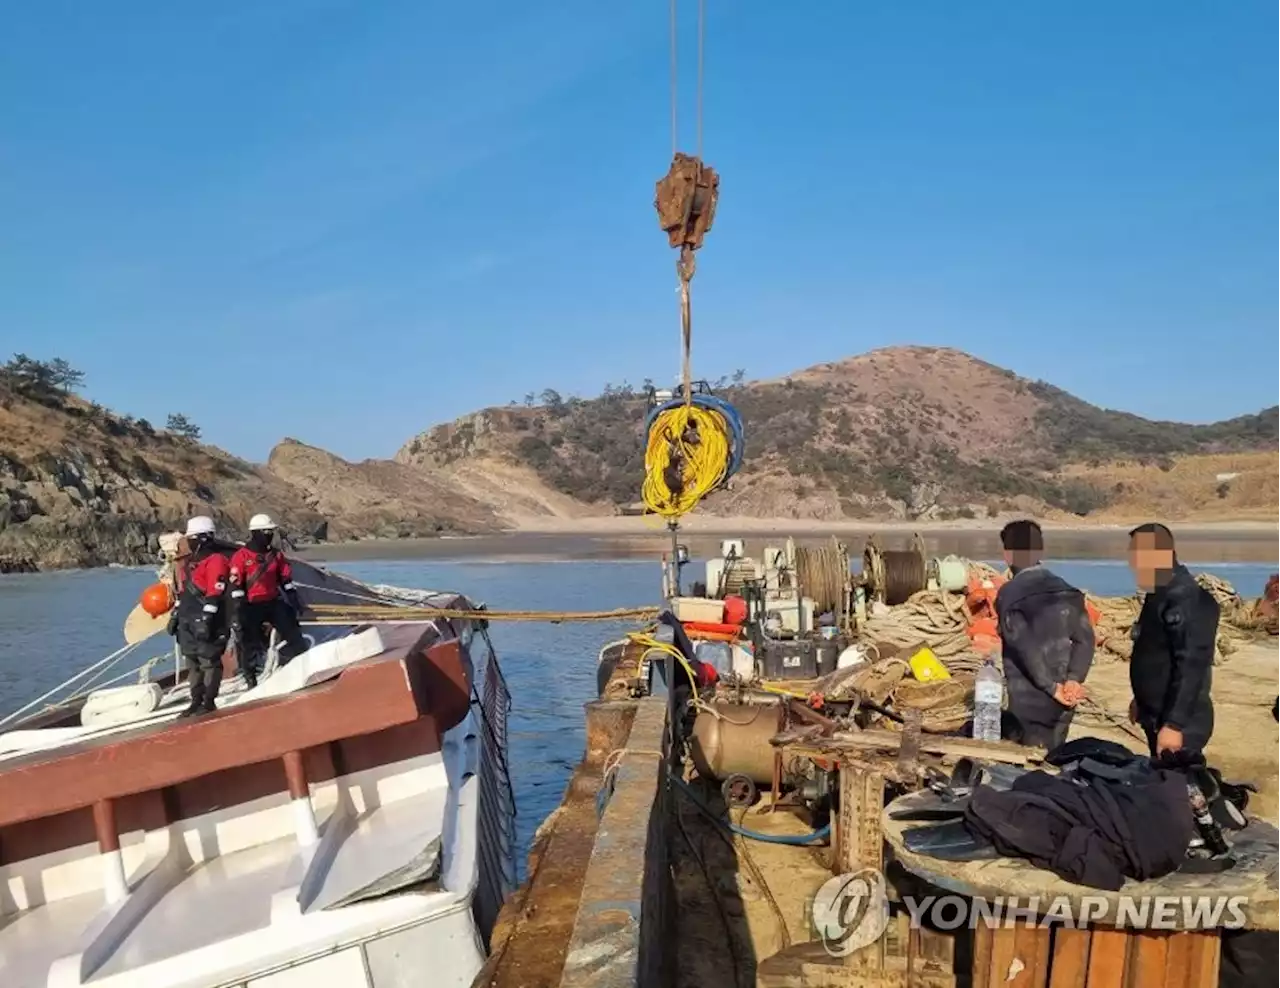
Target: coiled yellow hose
[{"x": 700, "y": 439}]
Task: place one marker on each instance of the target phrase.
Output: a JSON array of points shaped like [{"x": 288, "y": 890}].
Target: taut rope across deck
[{"x": 345, "y": 614}]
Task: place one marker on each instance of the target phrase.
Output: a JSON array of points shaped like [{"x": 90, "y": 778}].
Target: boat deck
[
  {"x": 214, "y": 854},
  {"x": 214, "y": 902},
  {"x": 32, "y": 940},
  {"x": 595, "y": 915}
]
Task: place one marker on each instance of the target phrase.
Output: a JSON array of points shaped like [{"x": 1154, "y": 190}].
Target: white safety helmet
[
  {"x": 261, "y": 523},
  {"x": 199, "y": 525}
]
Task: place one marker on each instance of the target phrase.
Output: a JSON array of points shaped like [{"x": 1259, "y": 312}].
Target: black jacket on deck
[
  {"x": 1097, "y": 834},
  {"x": 1171, "y": 670},
  {"x": 1047, "y": 639}
]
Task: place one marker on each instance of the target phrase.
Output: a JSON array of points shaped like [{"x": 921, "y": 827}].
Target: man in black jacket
[
  {"x": 1171, "y": 669},
  {"x": 1047, "y": 641}
]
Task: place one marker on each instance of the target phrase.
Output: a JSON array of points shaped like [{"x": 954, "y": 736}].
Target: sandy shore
[
  {"x": 639, "y": 538},
  {"x": 716, "y": 525}
]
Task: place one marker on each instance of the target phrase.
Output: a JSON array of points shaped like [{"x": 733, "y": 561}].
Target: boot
[
  {"x": 213, "y": 680},
  {"x": 249, "y": 669},
  {"x": 197, "y": 695}
]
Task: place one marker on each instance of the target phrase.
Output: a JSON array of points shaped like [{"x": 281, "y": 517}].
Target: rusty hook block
[{"x": 686, "y": 201}]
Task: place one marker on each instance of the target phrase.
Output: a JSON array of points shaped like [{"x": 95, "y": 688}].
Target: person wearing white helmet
[
  {"x": 262, "y": 594},
  {"x": 199, "y": 622}
]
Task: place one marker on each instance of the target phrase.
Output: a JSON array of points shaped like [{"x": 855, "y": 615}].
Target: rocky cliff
[
  {"x": 380, "y": 498},
  {"x": 81, "y": 486}
]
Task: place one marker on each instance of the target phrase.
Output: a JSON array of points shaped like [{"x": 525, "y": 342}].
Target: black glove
[
  {"x": 294, "y": 601},
  {"x": 172, "y": 626}
]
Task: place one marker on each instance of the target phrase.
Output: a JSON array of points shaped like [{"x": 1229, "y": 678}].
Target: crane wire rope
[{"x": 694, "y": 444}]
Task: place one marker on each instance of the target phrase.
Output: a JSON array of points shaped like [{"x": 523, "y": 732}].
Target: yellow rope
[
  {"x": 652, "y": 644},
  {"x": 698, "y": 439}
]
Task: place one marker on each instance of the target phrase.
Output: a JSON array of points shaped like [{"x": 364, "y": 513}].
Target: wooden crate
[{"x": 1041, "y": 957}]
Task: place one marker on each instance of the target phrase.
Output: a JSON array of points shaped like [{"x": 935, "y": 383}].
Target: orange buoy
[{"x": 156, "y": 599}]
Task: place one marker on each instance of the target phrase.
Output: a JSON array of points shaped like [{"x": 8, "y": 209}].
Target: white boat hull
[{"x": 382, "y": 877}]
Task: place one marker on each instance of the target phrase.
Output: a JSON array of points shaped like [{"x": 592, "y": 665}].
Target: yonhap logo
[{"x": 851, "y": 912}]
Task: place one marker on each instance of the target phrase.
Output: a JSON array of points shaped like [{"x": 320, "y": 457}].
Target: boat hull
[{"x": 376, "y": 852}]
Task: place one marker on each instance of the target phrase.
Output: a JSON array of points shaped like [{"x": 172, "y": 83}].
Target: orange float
[
  {"x": 156, "y": 599},
  {"x": 735, "y": 610},
  {"x": 984, "y": 625}
]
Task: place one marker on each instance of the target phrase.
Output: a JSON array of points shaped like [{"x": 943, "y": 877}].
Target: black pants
[
  {"x": 1037, "y": 729},
  {"x": 255, "y": 617},
  {"x": 204, "y": 673}
]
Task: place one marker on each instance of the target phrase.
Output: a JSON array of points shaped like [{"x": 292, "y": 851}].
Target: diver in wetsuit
[
  {"x": 199, "y": 622},
  {"x": 1171, "y": 670},
  {"x": 262, "y": 593},
  {"x": 1047, "y": 642}
]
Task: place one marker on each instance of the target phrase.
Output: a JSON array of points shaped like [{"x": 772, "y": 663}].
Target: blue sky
[{"x": 409, "y": 210}]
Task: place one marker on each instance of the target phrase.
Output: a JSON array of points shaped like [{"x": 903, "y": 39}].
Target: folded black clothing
[
  {"x": 1098, "y": 749},
  {"x": 1096, "y": 834}
]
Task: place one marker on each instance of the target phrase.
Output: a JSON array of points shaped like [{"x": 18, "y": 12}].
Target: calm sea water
[{"x": 53, "y": 624}]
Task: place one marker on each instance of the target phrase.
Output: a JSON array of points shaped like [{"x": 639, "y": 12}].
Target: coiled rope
[{"x": 692, "y": 448}]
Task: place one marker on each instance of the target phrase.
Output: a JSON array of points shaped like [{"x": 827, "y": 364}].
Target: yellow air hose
[
  {"x": 690, "y": 442},
  {"x": 652, "y": 644}
]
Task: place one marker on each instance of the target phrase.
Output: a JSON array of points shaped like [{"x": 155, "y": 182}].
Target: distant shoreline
[{"x": 634, "y": 538}]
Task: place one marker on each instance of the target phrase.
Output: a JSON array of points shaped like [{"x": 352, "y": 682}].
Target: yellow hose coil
[{"x": 700, "y": 439}]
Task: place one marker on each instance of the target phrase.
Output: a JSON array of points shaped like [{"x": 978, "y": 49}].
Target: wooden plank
[
  {"x": 861, "y": 805},
  {"x": 1031, "y": 951},
  {"x": 980, "y": 971},
  {"x": 1206, "y": 955},
  {"x": 1070, "y": 962},
  {"x": 1177, "y": 963},
  {"x": 909, "y": 747},
  {"x": 1148, "y": 959},
  {"x": 1108, "y": 950},
  {"x": 1003, "y": 950},
  {"x": 876, "y": 740}
]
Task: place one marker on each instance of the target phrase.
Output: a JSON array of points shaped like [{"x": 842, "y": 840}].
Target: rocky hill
[
  {"x": 379, "y": 498},
  {"x": 83, "y": 486},
  {"x": 906, "y": 432}
]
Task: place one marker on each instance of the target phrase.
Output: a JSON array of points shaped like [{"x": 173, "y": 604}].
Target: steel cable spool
[
  {"x": 894, "y": 575},
  {"x": 823, "y": 573}
]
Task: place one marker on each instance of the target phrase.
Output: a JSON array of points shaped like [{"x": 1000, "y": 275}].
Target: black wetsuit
[
  {"x": 199, "y": 622},
  {"x": 1047, "y": 640},
  {"x": 1171, "y": 670}
]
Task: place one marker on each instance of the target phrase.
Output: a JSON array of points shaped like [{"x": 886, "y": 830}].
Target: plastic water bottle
[{"x": 988, "y": 698}]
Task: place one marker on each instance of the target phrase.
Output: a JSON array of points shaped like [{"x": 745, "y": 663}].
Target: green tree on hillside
[
  {"x": 41, "y": 378},
  {"x": 182, "y": 427}
]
